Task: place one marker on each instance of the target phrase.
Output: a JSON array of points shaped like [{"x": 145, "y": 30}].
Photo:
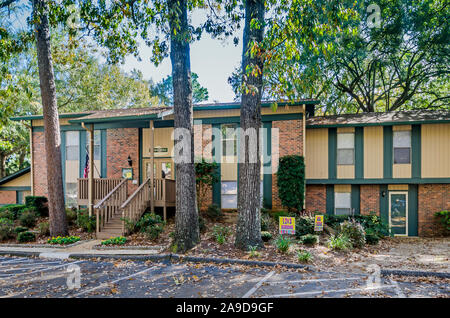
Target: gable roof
[
  {"x": 15, "y": 175},
  {"x": 386, "y": 118}
]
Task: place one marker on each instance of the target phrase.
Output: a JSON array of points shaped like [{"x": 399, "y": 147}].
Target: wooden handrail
[
  {"x": 110, "y": 194},
  {"x": 135, "y": 193}
]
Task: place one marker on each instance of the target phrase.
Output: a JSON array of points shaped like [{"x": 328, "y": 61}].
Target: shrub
[
  {"x": 148, "y": 220},
  {"x": 304, "y": 256},
  {"x": 266, "y": 236},
  {"x": 201, "y": 224},
  {"x": 283, "y": 244},
  {"x": 214, "y": 212},
  {"x": 304, "y": 225},
  {"x": 23, "y": 237},
  {"x": 71, "y": 216},
  {"x": 205, "y": 177},
  {"x": 39, "y": 204},
  {"x": 6, "y": 229},
  {"x": 153, "y": 231},
  {"x": 309, "y": 239},
  {"x": 444, "y": 219},
  {"x": 339, "y": 242},
  {"x": 85, "y": 222},
  {"x": 28, "y": 218},
  {"x": 253, "y": 251},
  {"x": 371, "y": 237},
  {"x": 63, "y": 240},
  {"x": 120, "y": 240},
  {"x": 355, "y": 232},
  {"x": 373, "y": 222},
  {"x": 13, "y": 209},
  {"x": 221, "y": 233},
  {"x": 291, "y": 181},
  {"x": 20, "y": 229},
  {"x": 6, "y": 214},
  {"x": 265, "y": 222},
  {"x": 44, "y": 229}
]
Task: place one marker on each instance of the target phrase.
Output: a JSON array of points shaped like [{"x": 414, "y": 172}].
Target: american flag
[{"x": 86, "y": 167}]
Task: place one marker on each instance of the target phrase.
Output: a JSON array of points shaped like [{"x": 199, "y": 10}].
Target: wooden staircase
[{"x": 117, "y": 206}]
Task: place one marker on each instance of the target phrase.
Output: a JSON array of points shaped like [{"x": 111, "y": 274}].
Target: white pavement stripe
[
  {"x": 104, "y": 285},
  {"x": 46, "y": 269},
  {"x": 258, "y": 284},
  {"x": 52, "y": 255},
  {"x": 2, "y": 268},
  {"x": 330, "y": 291},
  {"x": 398, "y": 290},
  {"x": 16, "y": 260},
  {"x": 312, "y": 280}
]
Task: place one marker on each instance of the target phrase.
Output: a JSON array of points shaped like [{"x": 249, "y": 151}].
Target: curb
[
  {"x": 398, "y": 272},
  {"x": 193, "y": 259},
  {"x": 45, "y": 245}
]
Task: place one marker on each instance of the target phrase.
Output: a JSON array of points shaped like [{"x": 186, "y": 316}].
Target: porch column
[
  {"x": 152, "y": 163},
  {"x": 304, "y": 152},
  {"x": 91, "y": 168}
]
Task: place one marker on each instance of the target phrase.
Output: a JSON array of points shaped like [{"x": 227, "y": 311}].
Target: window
[
  {"x": 229, "y": 194},
  {"x": 72, "y": 145},
  {"x": 345, "y": 148},
  {"x": 342, "y": 203},
  {"x": 402, "y": 146},
  {"x": 229, "y": 140},
  {"x": 97, "y": 144}
]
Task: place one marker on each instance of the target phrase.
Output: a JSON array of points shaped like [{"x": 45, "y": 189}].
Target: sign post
[{"x": 287, "y": 225}]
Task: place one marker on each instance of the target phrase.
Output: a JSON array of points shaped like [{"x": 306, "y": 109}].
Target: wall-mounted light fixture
[
  {"x": 383, "y": 193},
  {"x": 130, "y": 162}
]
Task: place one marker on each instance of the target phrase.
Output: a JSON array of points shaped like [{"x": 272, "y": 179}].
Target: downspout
[
  {"x": 91, "y": 168},
  {"x": 31, "y": 157}
]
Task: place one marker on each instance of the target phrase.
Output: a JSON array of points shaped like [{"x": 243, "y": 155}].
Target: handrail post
[{"x": 164, "y": 200}]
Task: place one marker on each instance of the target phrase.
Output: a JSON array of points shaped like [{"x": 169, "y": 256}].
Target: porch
[{"x": 112, "y": 204}]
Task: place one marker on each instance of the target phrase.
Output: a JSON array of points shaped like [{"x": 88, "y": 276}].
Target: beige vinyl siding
[
  {"x": 342, "y": 188},
  {"x": 317, "y": 157},
  {"x": 401, "y": 171},
  {"x": 398, "y": 187},
  {"x": 346, "y": 130},
  {"x": 435, "y": 151},
  {"x": 345, "y": 171},
  {"x": 228, "y": 171},
  {"x": 373, "y": 152},
  {"x": 22, "y": 181},
  {"x": 401, "y": 127},
  {"x": 163, "y": 139},
  {"x": 40, "y": 122}
]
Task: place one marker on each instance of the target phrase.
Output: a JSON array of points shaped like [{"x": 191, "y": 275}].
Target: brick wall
[
  {"x": 290, "y": 139},
  {"x": 316, "y": 198},
  {"x": 7, "y": 197},
  {"x": 121, "y": 143},
  {"x": 432, "y": 198},
  {"x": 370, "y": 199},
  {"x": 40, "y": 164}
]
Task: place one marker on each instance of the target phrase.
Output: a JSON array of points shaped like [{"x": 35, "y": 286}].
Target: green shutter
[
  {"x": 384, "y": 203},
  {"x": 217, "y": 154},
  {"x": 416, "y": 151},
  {"x": 332, "y": 149},
  {"x": 387, "y": 152},
  {"x": 330, "y": 199},
  {"x": 359, "y": 153},
  {"x": 412, "y": 210},
  {"x": 355, "y": 198},
  {"x": 267, "y": 178}
]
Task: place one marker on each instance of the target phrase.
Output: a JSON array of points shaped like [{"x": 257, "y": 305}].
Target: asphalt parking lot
[{"x": 35, "y": 277}]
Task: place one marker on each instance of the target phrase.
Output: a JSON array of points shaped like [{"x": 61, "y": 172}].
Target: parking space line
[
  {"x": 398, "y": 290},
  {"x": 46, "y": 269},
  {"x": 104, "y": 285},
  {"x": 312, "y": 280},
  {"x": 258, "y": 284},
  {"x": 330, "y": 291},
  {"x": 3, "y": 268},
  {"x": 16, "y": 260}
]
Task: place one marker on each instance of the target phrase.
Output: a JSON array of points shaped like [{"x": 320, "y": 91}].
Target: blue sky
[{"x": 212, "y": 59}]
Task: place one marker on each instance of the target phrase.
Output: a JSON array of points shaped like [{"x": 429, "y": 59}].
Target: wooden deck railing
[
  {"x": 101, "y": 189},
  {"x": 110, "y": 204},
  {"x": 165, "y": 190},
  {"x": 136, "y": 204}
]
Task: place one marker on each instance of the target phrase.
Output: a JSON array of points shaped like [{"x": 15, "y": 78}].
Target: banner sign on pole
[{"x": 287, "y": 225}]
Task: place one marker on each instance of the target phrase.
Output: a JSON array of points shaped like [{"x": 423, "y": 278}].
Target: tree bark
[
  {"x": 248, "y": 232},
  {"x": 52, "y": 137},
  {"x": 186, "y": 218}
]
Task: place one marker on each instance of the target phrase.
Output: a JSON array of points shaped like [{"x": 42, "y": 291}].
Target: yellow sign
[
  {"x": 287, "y": 225},
  {"x": 318, "y": 223}
]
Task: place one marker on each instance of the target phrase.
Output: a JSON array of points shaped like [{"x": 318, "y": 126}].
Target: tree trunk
[
  {"x": 2, "y": 166},
  {"x": 52, "y": 138},
  {"x": 186, "y": 218},
  {"x": 248, "y": 232}
]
